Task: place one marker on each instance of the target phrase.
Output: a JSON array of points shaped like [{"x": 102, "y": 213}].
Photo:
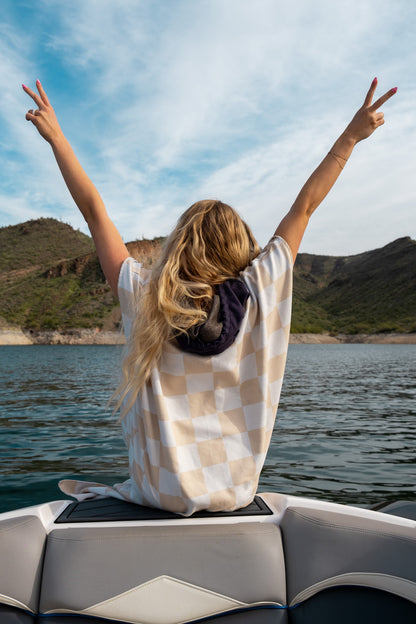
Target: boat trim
[
  {"x": 385, "y": 582},
  {"x": 12, "y": 602},
  {"x": 158, "y": 598}
]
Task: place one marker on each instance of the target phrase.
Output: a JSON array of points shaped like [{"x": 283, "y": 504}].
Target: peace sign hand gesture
[
  {"x": 43, "y": 118},
  {"x": 368, "y": 118}
]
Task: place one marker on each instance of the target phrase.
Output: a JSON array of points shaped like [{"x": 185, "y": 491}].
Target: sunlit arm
[
  {"x": 314, "y": 191},
  {"x": 363, "y": 124},
  {"x": 110, "y": 247}
]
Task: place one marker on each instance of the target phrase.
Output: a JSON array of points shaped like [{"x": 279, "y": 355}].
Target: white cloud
[{"x": 168, "y": 102}]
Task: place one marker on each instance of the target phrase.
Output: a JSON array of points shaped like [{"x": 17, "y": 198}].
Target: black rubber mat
[{"x": 112, "y": 509}]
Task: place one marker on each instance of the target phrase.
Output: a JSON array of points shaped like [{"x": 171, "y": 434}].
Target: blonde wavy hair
[{"x": 210, "y": 244}]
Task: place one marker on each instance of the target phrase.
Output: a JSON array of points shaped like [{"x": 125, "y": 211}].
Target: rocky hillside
[
  {"x": 50, "y": 278},
  {"x": 38, "y": 244},
  {"x": 370, "y": 292}
]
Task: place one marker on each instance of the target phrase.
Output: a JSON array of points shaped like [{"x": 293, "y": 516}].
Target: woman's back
[{"x": 200, "y": 429}]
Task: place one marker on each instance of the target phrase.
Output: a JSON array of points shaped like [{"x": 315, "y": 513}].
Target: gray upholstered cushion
[
  {"x": 21, "y": 555},
  {"x": 192, "y": 571},
  {"x": 11, "y": 615},
  {"x": 328, "y": 549}
]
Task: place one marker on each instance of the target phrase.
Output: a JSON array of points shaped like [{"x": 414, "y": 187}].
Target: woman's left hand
[{"x": 368, "y": 117}]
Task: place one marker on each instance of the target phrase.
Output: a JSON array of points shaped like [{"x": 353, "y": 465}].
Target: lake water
[{"x": 345, "y": 429}]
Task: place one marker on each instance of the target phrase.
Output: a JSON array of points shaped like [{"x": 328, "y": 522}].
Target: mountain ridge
[{"x": 51, "y": 279}]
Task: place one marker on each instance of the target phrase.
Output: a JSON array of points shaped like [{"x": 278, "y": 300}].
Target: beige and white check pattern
[{"x": 199, "y": 432}]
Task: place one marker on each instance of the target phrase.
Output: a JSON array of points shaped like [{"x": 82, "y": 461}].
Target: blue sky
[{"x": 167, "y": 102}]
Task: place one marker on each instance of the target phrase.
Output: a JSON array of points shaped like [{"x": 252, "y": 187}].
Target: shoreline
[
  {"x": 353, "y": 339},
  {"x": 16, "y": 336}
]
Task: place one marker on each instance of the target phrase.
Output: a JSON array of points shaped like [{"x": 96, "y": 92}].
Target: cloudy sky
[{"x": 167, "y": 102}]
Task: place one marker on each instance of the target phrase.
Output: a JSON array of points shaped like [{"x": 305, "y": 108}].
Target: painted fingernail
[
  {"x": 24, "y": 86},
  {"x": 375, "y": 80},
  {"x": 394, "y": 90},
  {"x": 37, "y": 81}
]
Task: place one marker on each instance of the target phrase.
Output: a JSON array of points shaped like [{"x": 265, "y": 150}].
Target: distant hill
[
  {"x": 371, "y": 292},
  {"x": 50, "y": 278},
  {"x": 40, "y": 243}
]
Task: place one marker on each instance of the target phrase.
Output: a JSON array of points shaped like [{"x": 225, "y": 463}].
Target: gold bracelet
[
  {"x": 333, "y": 153},
  {"x": 336, "y": 156}
]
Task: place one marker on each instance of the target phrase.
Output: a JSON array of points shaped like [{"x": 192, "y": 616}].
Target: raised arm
[
  {"x": 108, "y": 242},
  {"x": 363, "y": 124}
]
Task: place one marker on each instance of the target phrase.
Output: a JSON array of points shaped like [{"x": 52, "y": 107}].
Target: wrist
[
  {"x": 344, "y": 145},
  {"x": 57, "y": 140},
  {"x": 348, "y": 140},
  {"x": 349, "y": 137}
]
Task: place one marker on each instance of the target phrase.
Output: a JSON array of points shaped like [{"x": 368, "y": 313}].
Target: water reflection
[{"x": 345, "y": 429}]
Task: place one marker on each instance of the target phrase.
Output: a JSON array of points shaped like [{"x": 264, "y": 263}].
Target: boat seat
[
  {"x": 22, "y": 543},
  {"x": 165, "y": 574},
  {"x": 318, "y": 565},
  {"x": 346, "y": 568}
]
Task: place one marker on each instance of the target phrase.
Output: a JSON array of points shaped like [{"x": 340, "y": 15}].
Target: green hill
[
  {"x": 50, "y": 278},
  {"x": 371, "y": 292},
  {"x": 40, "y": 243}
]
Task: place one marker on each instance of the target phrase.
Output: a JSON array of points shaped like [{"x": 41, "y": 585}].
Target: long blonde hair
[{"x": 210, "y": 244}]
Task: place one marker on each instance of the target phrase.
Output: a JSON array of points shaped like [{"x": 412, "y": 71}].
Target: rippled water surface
[{"x": 345, "y": 430}]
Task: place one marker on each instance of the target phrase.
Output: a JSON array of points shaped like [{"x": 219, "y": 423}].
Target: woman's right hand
[
  {"x": 368, "y": 118},
  {"x": 43, "y": 118}
]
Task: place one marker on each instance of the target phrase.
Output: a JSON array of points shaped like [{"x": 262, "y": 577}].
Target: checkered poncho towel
[{"x": 199, "y": 432}]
